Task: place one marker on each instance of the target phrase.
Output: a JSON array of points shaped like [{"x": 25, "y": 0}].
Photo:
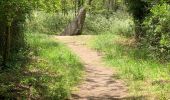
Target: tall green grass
[
  {"x": 55, "y": 59},
  {"x": 143, "y": 74},
  {"x": 49, "y": 73}
]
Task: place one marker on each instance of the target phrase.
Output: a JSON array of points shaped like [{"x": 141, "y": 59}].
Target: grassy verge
[
  {"x": 50, "y": 73},
  {"x": 144, "y": 75}
]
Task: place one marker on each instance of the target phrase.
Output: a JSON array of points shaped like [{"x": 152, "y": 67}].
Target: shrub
[
  {"x": 119, "y": 23},
  {"x": 158, "y": 30},
  {"x": 49, "y": 23}
]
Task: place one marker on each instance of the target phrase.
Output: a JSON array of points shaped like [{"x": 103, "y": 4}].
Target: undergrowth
[
  {"x": 49, "y": 72},
  {"x": 54, "y": 23},
  {"x": 120, "y": 22},
  {"x": 144, "y": 75},
  {"x": 48, "y": 23}
]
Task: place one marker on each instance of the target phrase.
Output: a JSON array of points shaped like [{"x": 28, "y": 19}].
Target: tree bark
[
  {"x": 7, "y": 46},
  {"x": 76, "y": 26},
  {"x": 89, "y": 2}
]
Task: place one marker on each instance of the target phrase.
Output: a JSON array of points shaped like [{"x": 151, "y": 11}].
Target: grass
[
  {"x": 120, "y": 22},
  {"x": 50, "y": 72},
  {"x": 143, "y": 75}
]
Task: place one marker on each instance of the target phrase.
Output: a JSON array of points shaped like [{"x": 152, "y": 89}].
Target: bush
[
  {"x": 54, "y": 23},
  {"x": 119, "y": 23},
  {"x": 142, "y": 73},
  {"x": 49, "y": 23},
  {"x": 158, "y": 30}
]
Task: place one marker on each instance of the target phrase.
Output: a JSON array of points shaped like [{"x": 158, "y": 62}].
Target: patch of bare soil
[{"x": 101, "y": 82}]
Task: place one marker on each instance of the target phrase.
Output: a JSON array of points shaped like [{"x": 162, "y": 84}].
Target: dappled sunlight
[
  {"x": 49, "y": 72},
  {"x": 84, "y": 50},
  {"x": 134, "y": 64}
]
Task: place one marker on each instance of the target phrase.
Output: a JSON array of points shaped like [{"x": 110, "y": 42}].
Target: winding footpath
[{"x": 101, "y": 82}]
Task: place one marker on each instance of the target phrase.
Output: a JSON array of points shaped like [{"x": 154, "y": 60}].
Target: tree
[
  {"x": 12, "y": 16},
  {"x": 76, "y": 26},
  {"x": 11, "y": 12},
  {"x": 139, "y": 10}
]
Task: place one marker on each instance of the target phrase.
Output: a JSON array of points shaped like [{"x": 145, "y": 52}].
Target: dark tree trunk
[
  {"x": 79, "y": 4},
  {"x": 75, "y": 7},
  {"x": 76, "y": 26},
  {"x": 7, "y": 45},
  {"x": 89, "y": 2}
]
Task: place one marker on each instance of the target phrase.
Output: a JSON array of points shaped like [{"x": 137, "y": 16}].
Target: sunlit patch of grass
[
  {"x": 56, "y": 59},
  {"x": 50, "y": 73},
  {"x": 135, "y": 65}
]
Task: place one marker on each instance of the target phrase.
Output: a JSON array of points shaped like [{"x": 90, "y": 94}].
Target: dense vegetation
[
  {"x": 133, "y": 34},
  {"x": 144, "y": 75},
  {"x": 33, "y": 66},
  {"x": 47, "y": 73},
  {"x": 151, "y": 20},
  {"x": 142, "y": 58}
]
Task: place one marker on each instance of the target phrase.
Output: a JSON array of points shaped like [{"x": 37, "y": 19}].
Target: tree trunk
[
  {"x": 7, "y": 46},
  {"x": 76, "y": 26},
  {"x": 89, "y": 2}
]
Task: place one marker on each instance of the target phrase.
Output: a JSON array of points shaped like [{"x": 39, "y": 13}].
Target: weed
[
  {"x": 50, "y": 72},
  {"x": 134, "y": 64}
]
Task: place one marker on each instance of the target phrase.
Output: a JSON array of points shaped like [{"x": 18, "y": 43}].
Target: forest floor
[{"x": 100, "y": 82}]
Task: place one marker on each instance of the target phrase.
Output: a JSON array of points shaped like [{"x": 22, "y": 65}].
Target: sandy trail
[{"x": 100, "y": 82}]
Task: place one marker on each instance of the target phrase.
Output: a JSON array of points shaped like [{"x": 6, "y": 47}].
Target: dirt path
[{"x": 100, "y": 82}]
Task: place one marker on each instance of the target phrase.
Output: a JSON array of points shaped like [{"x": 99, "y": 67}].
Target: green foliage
[
  {"x": 50, "y": 72},
  {"x": 49, "y": 23},
  {"x": 119, "y": 23},
  {"x": 55, "y": 60},
  {"x": 54, "y": 23},
  {"x": 106, "y": 7},
  {"x": 12, "y": 17},
  {"x": 157, "y": 30},
  {"x": 151, "y": 25},
  {"x": 142, "y": 73},
  {"x": 138, "y": 8}
]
